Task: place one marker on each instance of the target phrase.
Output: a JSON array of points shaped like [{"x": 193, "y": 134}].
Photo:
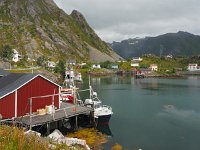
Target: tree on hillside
[
  {"x": 6, "y": 53},
  {"x": 41, "y": 61},
  {"x": 125, "y": 66},
  {"x": 60, "y": 68},
  {"x": 106, "y": 64}
]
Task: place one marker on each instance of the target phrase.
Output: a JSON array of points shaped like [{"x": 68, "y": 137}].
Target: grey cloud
[{"x": 119, "y": 19}]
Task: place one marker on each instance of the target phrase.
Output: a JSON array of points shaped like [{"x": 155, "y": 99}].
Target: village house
[
  {"x": 169, "y": 56},
  {"x": 17, "y": 89},
  {"x": 154, "y": 67},
  {"x": 121, "y": 61},
  {"x": 135, "y": 61},
  {"x": 193, "y": 67},
  {"x": 96, "y": 66},
  {"x": 16, "y": 56},
  {"x": 51, "y": 64},
  {"x": 82, "y": 64},
  {"x": 138, "y": 59},
  {"x": 135, "y": 64},
  {"x": 114, "y": 66}
]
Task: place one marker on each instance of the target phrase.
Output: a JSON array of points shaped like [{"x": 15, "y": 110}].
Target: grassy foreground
[{"x": 13, "y": 138}]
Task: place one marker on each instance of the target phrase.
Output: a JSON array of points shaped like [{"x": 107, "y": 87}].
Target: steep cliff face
[{"x": 39, "y": 27}]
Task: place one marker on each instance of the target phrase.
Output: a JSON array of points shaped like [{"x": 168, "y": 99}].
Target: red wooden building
[{"x": 16, "y": 89}]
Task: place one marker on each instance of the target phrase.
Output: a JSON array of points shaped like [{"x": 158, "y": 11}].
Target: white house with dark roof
[{"x": 96, "y": 66}]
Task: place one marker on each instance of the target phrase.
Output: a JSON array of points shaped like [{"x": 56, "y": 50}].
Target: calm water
[{"x": 152, "y": 114}]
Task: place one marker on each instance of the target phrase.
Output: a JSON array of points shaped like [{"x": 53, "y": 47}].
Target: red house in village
[{"x": 16, "y": 89}]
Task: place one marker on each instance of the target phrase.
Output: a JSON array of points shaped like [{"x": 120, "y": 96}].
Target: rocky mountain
[
  {"x": 38, "y": 27},
  {"x": 180, "y": 43}
]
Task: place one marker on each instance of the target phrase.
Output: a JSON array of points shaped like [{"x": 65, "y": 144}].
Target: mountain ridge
[{"x": 180, "y": 43}]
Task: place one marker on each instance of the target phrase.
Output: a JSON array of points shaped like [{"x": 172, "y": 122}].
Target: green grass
[
  {"x": 13, "y": 138},
  {"x": 165, "y": 65}
]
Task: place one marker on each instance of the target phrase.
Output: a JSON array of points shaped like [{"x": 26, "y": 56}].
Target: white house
[
  {"x": 137, "y": 59},
  {"x": 154, "y": 67},
  {"x": 193, "y": 67},
  {"x": 51, "y": 64},
  {"x": 16, "y": 56},
  {"x": 169, "y": 56},
  {"x": 121, "y": 61},
  {"x": 82, "y": 64},
  {"x": 134, "y": 64},
  {"x": 98, "y": 66}
]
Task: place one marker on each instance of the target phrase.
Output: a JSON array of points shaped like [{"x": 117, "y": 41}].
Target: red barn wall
[
  {"x": 7, "y": 106},
  {"x": 37, "y": 87}
]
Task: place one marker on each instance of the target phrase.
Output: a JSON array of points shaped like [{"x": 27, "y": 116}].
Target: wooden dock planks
[{"x": 66, "y": 111}]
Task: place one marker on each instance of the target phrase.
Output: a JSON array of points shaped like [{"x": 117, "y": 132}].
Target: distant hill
[
  {"x": 180, "y": 43},
  {"x": 38, "y": 27}
]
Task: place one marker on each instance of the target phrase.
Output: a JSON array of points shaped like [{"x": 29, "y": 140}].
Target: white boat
[
  {"x": 102, "y": 113},
  {"x": 71, "y": 76}
]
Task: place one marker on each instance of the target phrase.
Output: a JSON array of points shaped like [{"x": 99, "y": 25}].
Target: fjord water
[{"x": 151, "y": 113}]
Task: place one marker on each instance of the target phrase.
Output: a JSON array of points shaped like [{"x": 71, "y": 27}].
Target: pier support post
[
  {"x": 48, "y": 128},
  {"x": 92, "y": 119},
  {"x": 76, "y": 123}
]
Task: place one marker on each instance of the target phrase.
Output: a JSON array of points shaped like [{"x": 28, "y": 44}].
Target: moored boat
[{"x": 102, "y": 113}]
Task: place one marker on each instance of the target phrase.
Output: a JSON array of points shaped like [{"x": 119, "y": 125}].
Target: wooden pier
[{"x": 66, "y": 111}]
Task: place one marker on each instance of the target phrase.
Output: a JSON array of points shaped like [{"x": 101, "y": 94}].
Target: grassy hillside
[
  {"x": 166, "y": 65},
  {"x": 39, "y": 28}
]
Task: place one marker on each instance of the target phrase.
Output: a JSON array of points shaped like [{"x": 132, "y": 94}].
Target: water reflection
[
  {"x": 158, "y": 113},
  {"x": 105, "y": 129},
  {"x": 193, "y": 77},
  {"x": 180, "y": 117},
  {"x": 96, "y": 80}
]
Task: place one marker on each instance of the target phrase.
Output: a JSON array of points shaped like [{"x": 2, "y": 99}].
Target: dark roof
[
  {"x": 13, "y": 81},
  {"x": 3, "y": 72}
]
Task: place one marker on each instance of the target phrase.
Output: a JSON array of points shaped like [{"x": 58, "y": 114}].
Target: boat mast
[{"x": 90, "y": 87}]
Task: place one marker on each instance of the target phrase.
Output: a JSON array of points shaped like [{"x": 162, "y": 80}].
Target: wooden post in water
[{"x": 48, "y": 128}]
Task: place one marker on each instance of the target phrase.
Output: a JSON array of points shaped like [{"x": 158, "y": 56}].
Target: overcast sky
[{"x": 115, "y": 20}]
